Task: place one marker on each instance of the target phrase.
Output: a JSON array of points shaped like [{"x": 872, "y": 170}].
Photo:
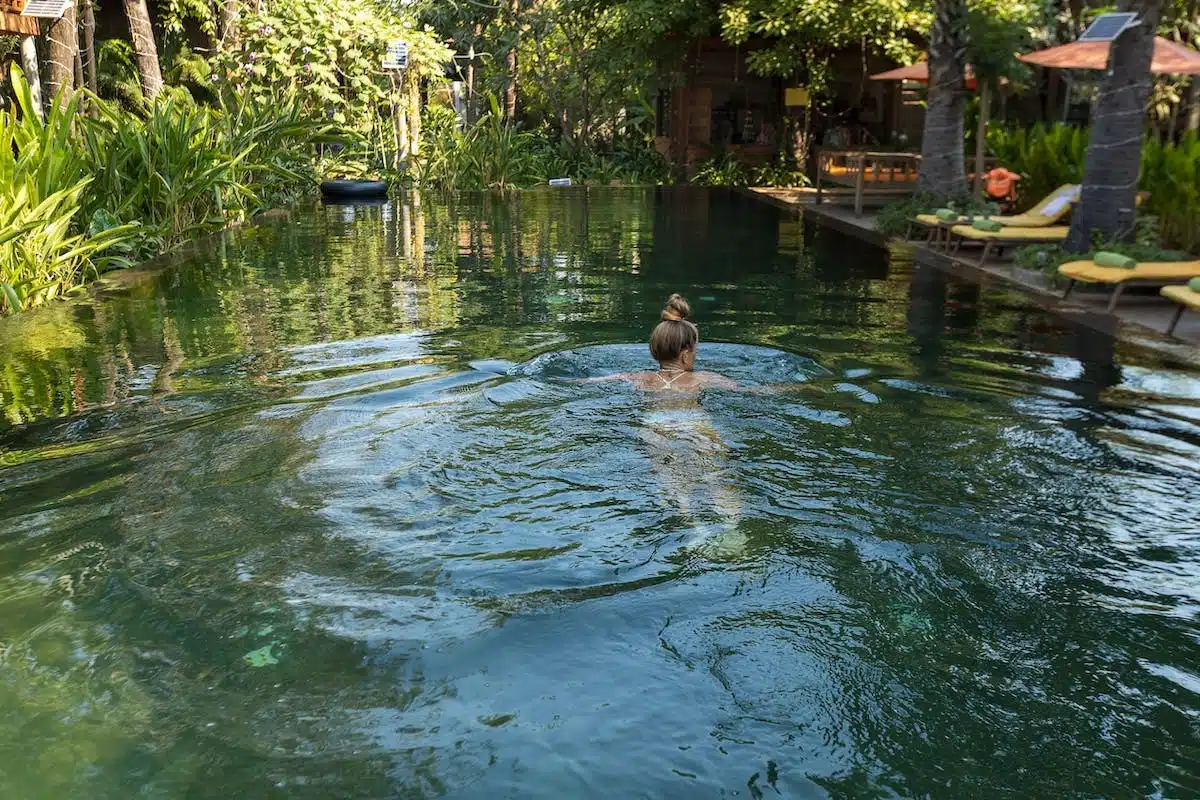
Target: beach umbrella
[
  {"x": 1170, "y": 58},
  {"x": 918, "y": 72}
]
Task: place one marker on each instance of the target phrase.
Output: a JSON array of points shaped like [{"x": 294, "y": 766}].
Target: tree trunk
[
  {"x": 981, "y": 136},
  {"x": 1193, "y": 120},
  {"x": 942, "y": 159},
  {"x": 472, "y": 98},
  {"x": 144, "y": 47},
  {"x": 78, "y": 66},
  {"x": 29, "y": 63},
  {"x": 1107, "y": 204},
  {"x": 510, "y": 60},
  {"x": 228, "y": 31},
  {"x": 89, "y": 46},
  {"x": 61, "y": 44},
  {"x": 411, "y": 100}
]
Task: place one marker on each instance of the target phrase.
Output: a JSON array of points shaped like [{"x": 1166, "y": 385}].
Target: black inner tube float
[{"x": 342, "y": 190}]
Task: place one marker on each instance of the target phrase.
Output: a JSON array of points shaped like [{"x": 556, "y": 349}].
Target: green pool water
[{"x": 310, "y": 512}]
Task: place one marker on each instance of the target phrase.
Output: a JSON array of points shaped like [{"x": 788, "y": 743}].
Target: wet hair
[{"x": 675, "y": 333}]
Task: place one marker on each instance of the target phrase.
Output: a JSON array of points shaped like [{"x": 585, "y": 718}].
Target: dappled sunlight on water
[{"x": 323, "y": 511}]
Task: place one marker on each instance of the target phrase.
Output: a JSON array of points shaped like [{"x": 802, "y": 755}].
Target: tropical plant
[
  {"x": 721, "y": 170},
  {"x": 1171, "y": 175},
  {"x": 1045, "y": 156},
  {"x": 46, "y": 248},
  {"x": 42, "y": 253},
  {"x": 329, "y": 59}
]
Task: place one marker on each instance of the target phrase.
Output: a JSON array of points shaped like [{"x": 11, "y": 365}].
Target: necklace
[{"x": 678, "y": 373}]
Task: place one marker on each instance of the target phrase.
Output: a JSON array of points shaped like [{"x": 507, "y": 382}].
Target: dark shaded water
[{"x": 310, "y": 516}]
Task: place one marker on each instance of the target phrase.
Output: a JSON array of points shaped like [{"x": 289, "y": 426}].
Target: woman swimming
[
  {"x": 687, "y": 454},
  {"x": 673, "y": 344}
]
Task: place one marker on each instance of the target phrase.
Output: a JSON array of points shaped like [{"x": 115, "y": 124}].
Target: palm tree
[
  {"x": 144, "y": 48},
  {"x": 62, "y": 43},
  {"x": 1114, "y": 155},
  {"x": 942, "y": 172}
]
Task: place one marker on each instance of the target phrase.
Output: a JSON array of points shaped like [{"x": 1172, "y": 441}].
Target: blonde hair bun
[{"x": 677, "y": 308}]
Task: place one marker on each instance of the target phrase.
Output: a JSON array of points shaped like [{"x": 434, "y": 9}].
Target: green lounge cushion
[
  {"x": 987, "y": 225},
  {"x": 1194, "y": 284},
  {"x": 946, "y": 214},
  {"x": 1106, "y": 259}
]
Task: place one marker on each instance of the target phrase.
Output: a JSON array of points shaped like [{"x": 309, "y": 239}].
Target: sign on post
[{"x": 397, "y": 55}]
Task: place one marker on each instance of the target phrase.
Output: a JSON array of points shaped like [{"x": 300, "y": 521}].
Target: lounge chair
[
  {"x": 1155, "y": 273},
  {"x": 1052, "y": 208},
  {"x": 1187, "y": 298},
  {"x": 1009, "y": 237}
]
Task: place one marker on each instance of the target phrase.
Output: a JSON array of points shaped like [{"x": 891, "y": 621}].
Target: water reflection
[{"x": 967, "y": 539}]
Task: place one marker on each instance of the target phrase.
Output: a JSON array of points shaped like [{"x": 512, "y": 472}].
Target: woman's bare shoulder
[{"x": 715, "y": 380}]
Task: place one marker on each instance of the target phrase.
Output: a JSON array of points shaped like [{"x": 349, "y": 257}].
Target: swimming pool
[{"x": 313, "y": 513}]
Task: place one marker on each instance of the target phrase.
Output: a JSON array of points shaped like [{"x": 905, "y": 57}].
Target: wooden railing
[
  {"x": 885, "y": 176},
  {"x": 869, "y": 173}
]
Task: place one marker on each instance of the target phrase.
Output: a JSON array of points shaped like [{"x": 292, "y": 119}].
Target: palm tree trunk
[
  {"x": 144, "y": 48},
  {"x": 1107, "y": 204},
  {"x": 943, "y": 173},
  {"x": 510, "y": 60},
  {"x": 29, "y": 63},
  {"x": 62, "y": 42}
]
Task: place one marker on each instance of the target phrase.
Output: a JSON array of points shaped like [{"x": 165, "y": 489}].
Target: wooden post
[
  {"x": 981, "y": 137},
  {"x": 859, "y": 183},
  {"x": 820, "y": 169}
]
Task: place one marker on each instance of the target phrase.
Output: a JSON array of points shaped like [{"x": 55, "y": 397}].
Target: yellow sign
[{"x": 795, "y": 96}]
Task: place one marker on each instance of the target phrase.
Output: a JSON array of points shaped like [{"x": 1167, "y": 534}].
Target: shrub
[
  {"x": 894, "y": 219},
  {"x": 721, "y": 170},
  {"x": 81, "y": 194},
  {"x": 185, "y": 169},
  {"x": 1171, "y": 174}
]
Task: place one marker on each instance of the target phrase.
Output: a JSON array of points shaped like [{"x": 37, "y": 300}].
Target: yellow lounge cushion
[
  {"x": 1016, "y": 221},
  {"x": 1182, "y": 295},
  {"x": 928, "y": 219},
  {"x": 1087, "y": 272},
  {"x": 1013, "y": 234}
]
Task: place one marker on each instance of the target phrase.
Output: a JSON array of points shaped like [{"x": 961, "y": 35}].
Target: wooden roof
[
  {"x": 11, "y": 21},
  {"x": 14, "y": 24}
]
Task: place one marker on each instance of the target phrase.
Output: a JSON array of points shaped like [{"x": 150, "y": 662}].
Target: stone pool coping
[{"x": 1139, "y": 320}]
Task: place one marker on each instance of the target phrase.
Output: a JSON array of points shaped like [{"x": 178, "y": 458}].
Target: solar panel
[
  {"x": 46, "y": 9},
  {"x": 1108, "y": 27}
]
